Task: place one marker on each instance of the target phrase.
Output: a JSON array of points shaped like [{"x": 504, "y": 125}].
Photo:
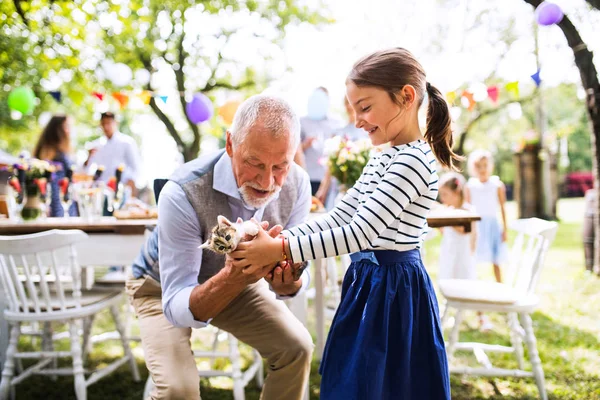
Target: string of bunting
[{"x": 473, "y": 95}]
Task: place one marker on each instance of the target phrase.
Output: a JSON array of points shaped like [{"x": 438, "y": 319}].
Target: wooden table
[{"x": 438, "y": 218}]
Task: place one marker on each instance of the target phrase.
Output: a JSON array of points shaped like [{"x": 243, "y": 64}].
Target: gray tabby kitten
[{"x": 226, "y": 235}]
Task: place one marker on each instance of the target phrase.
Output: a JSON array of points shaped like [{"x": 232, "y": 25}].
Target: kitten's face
[{"x": 223, "y": 239}]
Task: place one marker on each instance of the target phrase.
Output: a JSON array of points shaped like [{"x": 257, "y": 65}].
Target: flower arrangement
[
  {"x": 29, "y": 180},
  {"x": 347, "y": 159}
]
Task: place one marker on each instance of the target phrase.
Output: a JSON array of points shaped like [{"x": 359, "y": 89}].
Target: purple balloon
[
  {"x": 200, "y": 109},
  {"x": 548, "y": 13}
]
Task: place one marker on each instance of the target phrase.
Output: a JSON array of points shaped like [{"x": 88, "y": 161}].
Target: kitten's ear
[
  {"x": 223, "y": 221},
  {"x": 205, "y": 245},
  {"x": 239, "y": 221}
]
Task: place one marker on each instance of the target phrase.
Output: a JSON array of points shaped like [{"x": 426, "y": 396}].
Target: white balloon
[
  {"x": 455, "y": 113},
  {"x": 514, "y": 110},
  {"x": 120, "y": 74},
  {"x": 479, "y": 91},
  {"x": 44, "y": 118},
  {"x": 142, "y": 76}
]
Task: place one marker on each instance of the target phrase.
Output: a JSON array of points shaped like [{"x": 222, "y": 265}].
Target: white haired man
[{"x": 254, "y": 177}]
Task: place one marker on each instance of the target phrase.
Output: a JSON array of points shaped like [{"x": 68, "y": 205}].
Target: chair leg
[
  {"x": 87, "y": 333},
  {"x": 454, "y": 334},
  {"x": 76, "y": 353},
  {"x": 148, "y": 387},
  {"x": 516, "y": 339},
  {"x": 445, "y": 315},
  {"x": 125, "y": 342},
  {"x": 536, "y": 363},
  {"x": 48, "y": 345},
  {"x": 260, "y": 373},
  {"x": 215, "y": 346},
  {"x": 9, "y": 362},
  {"x": 236, "y": 369},
  {"x": 332, "y": 277}
]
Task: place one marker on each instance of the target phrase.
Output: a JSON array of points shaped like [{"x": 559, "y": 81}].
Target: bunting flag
[
  {"x": 145, "y": 96},
  {"x": 450, "y": 97},
  {"x": 469, "y": 99},
  {"x": 513, "y": 87},
  {"x": 493, "y": 93},
  {"x": 164, "y": 99},
  {"x": 99, "y": 96},
  {"x": 536, "y": 78},
  {"x": 122, "y": 98},
  {"x": 56, "y": 95}
]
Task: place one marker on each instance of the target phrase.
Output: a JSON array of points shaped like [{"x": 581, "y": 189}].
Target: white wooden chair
[
  {"x": 240, "y": 379},
  {"x": 42, "y": 281},
  {"x": 516, "y": 297}
]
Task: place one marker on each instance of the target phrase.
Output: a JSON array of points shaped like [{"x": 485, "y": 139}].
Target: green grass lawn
[{"x": 567, "y": 326}]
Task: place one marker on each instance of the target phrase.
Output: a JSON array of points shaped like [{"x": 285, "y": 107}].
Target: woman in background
[{"x": 54, "y": 145}]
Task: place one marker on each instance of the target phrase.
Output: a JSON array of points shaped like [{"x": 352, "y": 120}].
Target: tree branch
[
  {"x": 192, "y": 150},
  {"x": 594, "y": 3},
  {"x": 21, "y": 13}
]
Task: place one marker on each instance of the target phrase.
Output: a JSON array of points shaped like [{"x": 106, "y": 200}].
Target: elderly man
[{"x": 255, "y": 177}]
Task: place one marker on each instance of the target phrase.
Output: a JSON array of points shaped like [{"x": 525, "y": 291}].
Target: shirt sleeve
[
  {"x": 132, "y": 162},
  {"x": 406, "y": 179},
  {"x": 179, "y": 256},
  {"x": 299, "y": 214},
  {"x": 340, "y": 215}
]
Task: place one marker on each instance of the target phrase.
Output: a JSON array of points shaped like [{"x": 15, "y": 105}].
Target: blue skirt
[
  {"x": 490, "y": 247},
  {"x": 385, "y": 340}
]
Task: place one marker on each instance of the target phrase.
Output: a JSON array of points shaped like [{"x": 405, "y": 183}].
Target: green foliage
[{"x": 43, "y": 39}]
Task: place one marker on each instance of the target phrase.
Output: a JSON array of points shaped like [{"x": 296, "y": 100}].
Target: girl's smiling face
[{"x": 375, "y": 112}]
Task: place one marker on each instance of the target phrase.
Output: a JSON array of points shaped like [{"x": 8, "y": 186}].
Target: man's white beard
[{"x": 253, "y": 201}]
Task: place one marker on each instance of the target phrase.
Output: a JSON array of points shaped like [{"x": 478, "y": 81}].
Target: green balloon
[{"x": 22, "y": 99}]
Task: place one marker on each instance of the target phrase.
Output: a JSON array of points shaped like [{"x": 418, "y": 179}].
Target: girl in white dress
[
  {"x": 457, "y": 253},
  {"x": 458, "y": 258},
  {"x": 487, "y": 194}
]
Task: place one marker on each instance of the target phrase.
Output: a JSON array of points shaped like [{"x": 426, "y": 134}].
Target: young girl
[
  {"x": 457, "y": 252},
  {"x": 385, "y": 341},
  {"x": 488, "y": 195}
]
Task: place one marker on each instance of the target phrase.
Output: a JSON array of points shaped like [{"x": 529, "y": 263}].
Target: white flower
[{"x": 332, "y": 145}]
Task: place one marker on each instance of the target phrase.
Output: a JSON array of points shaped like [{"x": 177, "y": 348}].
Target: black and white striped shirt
[{"x": 385, "y": 210}]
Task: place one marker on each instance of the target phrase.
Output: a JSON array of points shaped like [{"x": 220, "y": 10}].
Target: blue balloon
[
  {"x": 200, "y": 109},
  {"x": 318, "y": 105}
]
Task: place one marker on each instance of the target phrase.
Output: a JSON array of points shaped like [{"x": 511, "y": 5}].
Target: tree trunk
[{"x": 589, "y": 79}]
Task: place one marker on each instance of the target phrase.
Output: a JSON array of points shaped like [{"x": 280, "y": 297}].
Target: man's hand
[{"x": 282, "y": 280}]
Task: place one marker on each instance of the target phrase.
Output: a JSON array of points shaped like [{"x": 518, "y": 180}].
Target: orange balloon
[{"x": 227, "y": 110}]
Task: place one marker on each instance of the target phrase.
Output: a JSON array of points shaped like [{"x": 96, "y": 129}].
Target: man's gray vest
[{"x": 196, "y": 180}]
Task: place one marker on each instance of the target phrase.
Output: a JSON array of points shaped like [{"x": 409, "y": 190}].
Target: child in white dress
[
  {"x": 457, "y": 253},
  {"x": 487, "y": 194},
  {"x": 458, "y": 259}
]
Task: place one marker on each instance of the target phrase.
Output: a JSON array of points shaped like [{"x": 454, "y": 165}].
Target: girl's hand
[
  {"x": 255, "y": 254},
  {"x": 504, "y": 235}
]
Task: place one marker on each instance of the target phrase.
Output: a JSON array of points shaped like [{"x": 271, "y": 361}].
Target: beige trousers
[{"x": 254, "y": 317}]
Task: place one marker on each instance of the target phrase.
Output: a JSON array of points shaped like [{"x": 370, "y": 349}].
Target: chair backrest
[
  {"x": 159, "y": 183},
  {"x": 40, "y": 273},
  {"x": 528, "y": 252}
]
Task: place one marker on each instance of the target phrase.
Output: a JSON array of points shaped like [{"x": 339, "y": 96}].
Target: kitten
[{"x": 226, "y": 235}]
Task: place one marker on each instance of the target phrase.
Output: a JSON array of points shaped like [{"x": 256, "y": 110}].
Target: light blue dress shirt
[{"x": 180, "y": 235}]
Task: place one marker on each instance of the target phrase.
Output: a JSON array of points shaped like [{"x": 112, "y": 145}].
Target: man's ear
[{"x": 229, "y": 144}]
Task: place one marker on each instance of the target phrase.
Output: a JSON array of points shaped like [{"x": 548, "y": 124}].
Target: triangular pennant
[
  {"x": 513, "y": 87},
  {"x": 122, "y": 98},
  {"x": 536, "y": 78},
  {"x": 99, "y": 96},
  {"x": 471, "y": 101},
  {"x": 56, "y": 95},
  {"x": 145, "y": 97},
  {"x": 493, "y": 93},
  {"x": 164, "y": 99},
  {"x": 450, "y": 97}
]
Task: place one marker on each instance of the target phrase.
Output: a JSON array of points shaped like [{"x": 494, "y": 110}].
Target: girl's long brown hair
[{"x": 395, "y": 68}]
